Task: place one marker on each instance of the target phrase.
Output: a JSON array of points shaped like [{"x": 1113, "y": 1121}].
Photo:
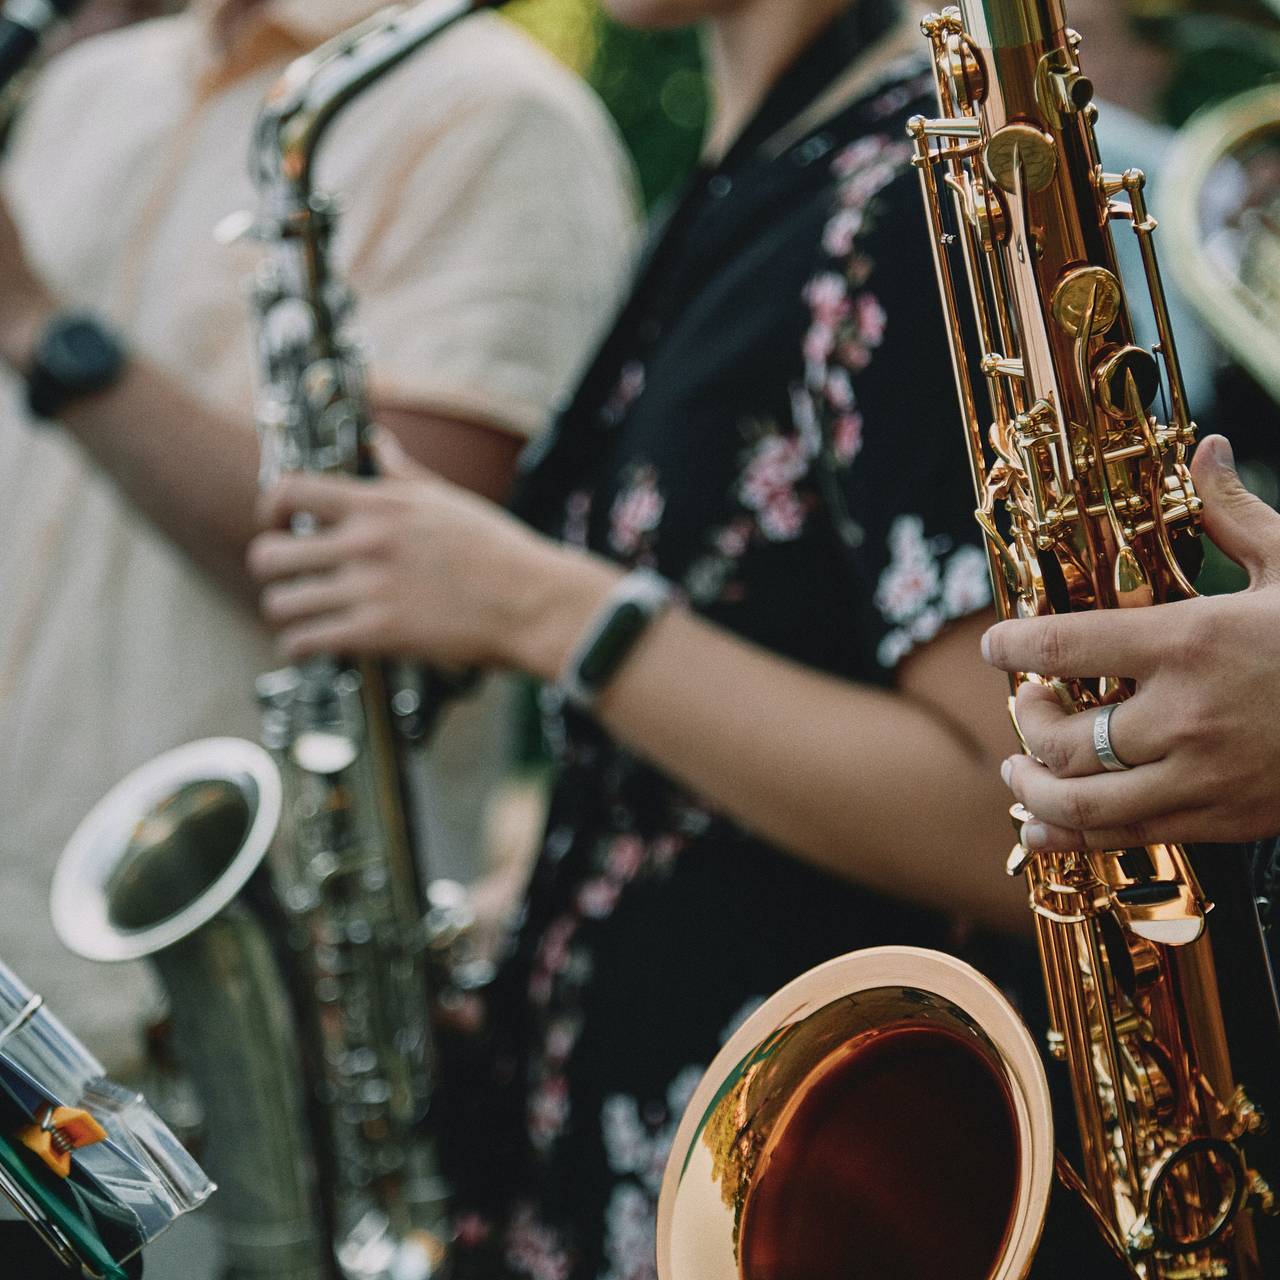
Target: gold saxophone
[{"x": 885, "y": 1115}]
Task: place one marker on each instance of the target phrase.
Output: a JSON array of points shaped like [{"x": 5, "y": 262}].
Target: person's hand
[
  {"x": 1202, "y": 732},
  {"x": 411, "y": 566},
  {"x": 26, "y": 303}
]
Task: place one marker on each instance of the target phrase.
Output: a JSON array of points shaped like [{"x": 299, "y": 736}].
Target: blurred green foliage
[
  {"x": 651, "y": 81},
  {"x": 654, "y": 85},
  {"x": 1219, "y": 48}
]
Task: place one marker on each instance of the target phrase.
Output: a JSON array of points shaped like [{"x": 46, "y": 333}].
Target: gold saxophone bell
[{"x": 885, "y": 1116}]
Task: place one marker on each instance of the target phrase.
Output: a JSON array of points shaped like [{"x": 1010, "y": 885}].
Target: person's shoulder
[
  {"x": 99, "y": 83},
  {"x": 131, "y": 51},
  {"x": 488, "y": 60}
]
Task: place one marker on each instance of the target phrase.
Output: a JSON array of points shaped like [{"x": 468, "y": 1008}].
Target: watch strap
[
  {"x": 49, "y": 390},
  {"x": 628, "y": 611}
]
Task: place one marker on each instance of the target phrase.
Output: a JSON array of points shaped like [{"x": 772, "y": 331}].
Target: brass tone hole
[{"x": 1114, "y": 373}]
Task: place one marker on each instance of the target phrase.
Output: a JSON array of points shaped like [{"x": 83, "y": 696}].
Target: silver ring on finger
[{"x": 1102, "y": 747}]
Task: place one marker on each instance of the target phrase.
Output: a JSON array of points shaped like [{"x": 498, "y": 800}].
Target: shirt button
[{"x": 720, "y": 186}]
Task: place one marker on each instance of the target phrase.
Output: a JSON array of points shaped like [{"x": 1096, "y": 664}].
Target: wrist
[
  {"x": 553, "y": 601},
  {"x": 21, "y": 328}
]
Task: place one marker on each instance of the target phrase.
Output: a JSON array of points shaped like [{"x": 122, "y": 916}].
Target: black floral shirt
[{"x": 772, "y": 426}]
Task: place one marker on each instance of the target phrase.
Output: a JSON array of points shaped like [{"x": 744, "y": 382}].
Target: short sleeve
[
  {"x": 498, "y": 249},
  {"x": 881, "y": 395}
]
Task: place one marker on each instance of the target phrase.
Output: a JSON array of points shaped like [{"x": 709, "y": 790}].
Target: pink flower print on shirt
[
  {"x": 846, "y": 436},
  {"x": 471, "y": 1229},
  {"x": 548, "y": 1110},
  {"x": 857, "y": 155},
  {"x": 966, "y": 586},
  {"x": 839, "y": 389},
  {"x": 911, "y": 578},
  {"x": 870, "y": 318},
  {"x": 577, "y": 518},
  {"x": 841, "y": 231},
  {"x": 733, "y": 540},
  {"x": 534, "y": 1251},
  {"x": 552, "y": 958},
  {"x": 828, "y": 298},
  {"x": 626, "y": 392},
  {"x": 783, "y": 519},
  {"x": 927, "y": 583},
  {"x": 636, "y": 512},
  {"x": 626, "y": 857},
  {"x": 768, "y": 485},
  {"x": 860, "y": 338},
  {"x": 598, "y": 897},
  {"x": 776, "y": 463}
]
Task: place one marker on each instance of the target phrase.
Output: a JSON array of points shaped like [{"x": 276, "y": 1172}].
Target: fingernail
[
  {"x": 1034, "y": 834},
  {"x": 1219, "y": 451},
  {"x": 986, "y": 646},
  {"x": 1006, "y": 771}
]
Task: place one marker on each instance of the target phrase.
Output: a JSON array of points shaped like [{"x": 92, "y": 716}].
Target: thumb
[
  {"x": 1240, "y": 524},
  {"x": 391, "y": 458}
]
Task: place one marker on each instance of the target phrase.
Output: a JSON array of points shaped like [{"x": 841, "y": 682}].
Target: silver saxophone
[{"x": 277, "y": 891}]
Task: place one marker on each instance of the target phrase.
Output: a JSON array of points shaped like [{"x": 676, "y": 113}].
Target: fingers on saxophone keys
[
  {"x": 1063, "y": 741},
  {"x": 275, "y": 555},
  {"x": 1108, "y": 642},
  {"x": 326, "y": 498},
  {"x": 1043, "y": 837},
  {"x": 1102, "y": 803},
  {"x": 294, "y": 598}
]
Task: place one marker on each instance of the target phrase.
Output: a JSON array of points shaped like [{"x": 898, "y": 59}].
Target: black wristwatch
[{"x": 75, "y": 356}]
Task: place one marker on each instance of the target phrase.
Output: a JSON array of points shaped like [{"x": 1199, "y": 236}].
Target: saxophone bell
[
  {"x": 883, "y": 1115},
  {"x": 165, "y": 868}
]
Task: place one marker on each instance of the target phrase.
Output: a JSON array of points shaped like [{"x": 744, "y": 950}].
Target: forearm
[
  {"x": 193, "y": 472},
  {"x": 189, "y": 469},
  {"x": 895, "y": 790},
  {"x": 869, "y": 784}
]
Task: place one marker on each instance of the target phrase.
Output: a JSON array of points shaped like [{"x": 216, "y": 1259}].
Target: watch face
[{"x": 79, "y": 354}]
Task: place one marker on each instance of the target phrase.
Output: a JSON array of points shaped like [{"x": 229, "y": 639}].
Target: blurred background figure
[{"x": 489, "y": 228}]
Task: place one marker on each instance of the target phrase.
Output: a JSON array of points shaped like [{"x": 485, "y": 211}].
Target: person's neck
[
  {"x": 231, "y": 19},
  {"x": 747, "y": 51}
]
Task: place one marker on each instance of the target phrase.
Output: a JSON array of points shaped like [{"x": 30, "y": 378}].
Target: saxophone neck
[{"x": 318, "y": 86}]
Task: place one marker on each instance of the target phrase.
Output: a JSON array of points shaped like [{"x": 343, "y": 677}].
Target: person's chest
[{"x": 705, "y": 377}]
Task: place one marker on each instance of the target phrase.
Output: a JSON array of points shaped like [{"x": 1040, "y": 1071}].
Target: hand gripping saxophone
[
  {"x": 346, "y": 875},
  {"x": 332, "y": 957},
  {"x": 886, "y": 1115},
  {"x": 1162, "y": 1003}
]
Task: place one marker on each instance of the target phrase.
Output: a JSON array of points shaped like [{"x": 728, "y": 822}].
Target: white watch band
[{"x": 609, "y": 637}]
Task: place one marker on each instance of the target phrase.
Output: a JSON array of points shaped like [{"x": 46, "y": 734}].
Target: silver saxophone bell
[{"x": 158, "y": 870}]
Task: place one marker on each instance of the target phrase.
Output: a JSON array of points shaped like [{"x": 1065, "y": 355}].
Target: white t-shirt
[{"x": 487, "y": 232}]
